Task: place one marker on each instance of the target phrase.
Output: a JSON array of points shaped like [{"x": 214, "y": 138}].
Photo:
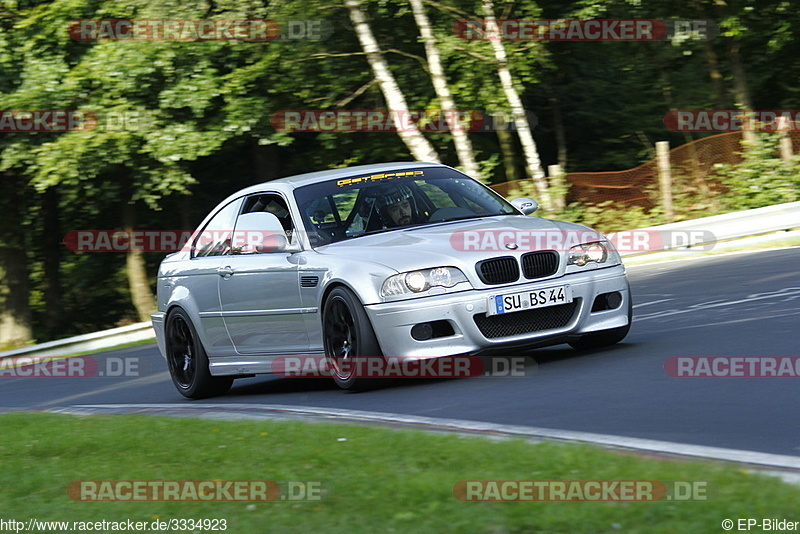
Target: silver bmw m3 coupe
[{"x": 408, "y": 261}]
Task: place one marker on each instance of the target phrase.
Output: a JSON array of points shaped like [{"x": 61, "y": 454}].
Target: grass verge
[{"x": 371, "y": 479}]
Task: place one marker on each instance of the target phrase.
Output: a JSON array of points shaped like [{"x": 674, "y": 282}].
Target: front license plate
[{"x": 528, "y": 300}]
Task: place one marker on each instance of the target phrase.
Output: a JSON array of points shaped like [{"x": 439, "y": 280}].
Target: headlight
[
  {"x": 582, "y": 254},
  {"x": 419, "y": 281}
]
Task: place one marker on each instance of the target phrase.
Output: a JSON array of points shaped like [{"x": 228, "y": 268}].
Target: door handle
[{"x": 225, "y": 272}]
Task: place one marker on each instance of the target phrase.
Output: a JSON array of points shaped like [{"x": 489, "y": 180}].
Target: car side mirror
[
  {"x": 525, "y": 205},
  {"x": 258, "y": 232}
]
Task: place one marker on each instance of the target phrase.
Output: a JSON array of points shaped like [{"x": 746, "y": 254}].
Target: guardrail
[
  {"x": 86, "y": 342},
  {"x": 711, "y": 230},
  {"x": 706, "y": 231}
]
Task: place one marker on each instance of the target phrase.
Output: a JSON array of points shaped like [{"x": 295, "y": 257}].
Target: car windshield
[{"x": 365, "y": 204}]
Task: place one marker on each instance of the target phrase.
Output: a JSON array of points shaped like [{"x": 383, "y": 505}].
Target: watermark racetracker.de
[
  {"x": 249, "y": 30},
  {"x": 72, "y": 367},
  {"x": 46, "y": 121},
  {"x": 732, "y": 120},
  {"x": 391, "y": 367},
  {"x": 376, "y": 120},
  {"x": 194, "y": 490},
  {"x": 625, "y": 242},
  {"x": 733, "y": 366},
  {"x": 63, "y": 121},
  {"x": 584, "y": 29},
  {"x": 580, "y": 490}
]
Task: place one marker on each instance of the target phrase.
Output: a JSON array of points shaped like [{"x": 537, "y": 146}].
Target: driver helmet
[
  {"x": 392, "y": 194},
  {"x": 387, "y": 195}
]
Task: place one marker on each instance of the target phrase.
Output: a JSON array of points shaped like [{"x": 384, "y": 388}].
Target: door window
[{"x": 215, "y": 239}]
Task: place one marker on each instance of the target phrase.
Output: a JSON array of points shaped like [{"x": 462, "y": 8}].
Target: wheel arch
[
  {"x": 333, "y": 284},
  {"x": 182, "y": 298}
]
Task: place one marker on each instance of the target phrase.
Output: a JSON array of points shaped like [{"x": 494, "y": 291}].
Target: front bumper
[
  {"x": 158, "y": 327},
  {"x": 392, "y": 321}
]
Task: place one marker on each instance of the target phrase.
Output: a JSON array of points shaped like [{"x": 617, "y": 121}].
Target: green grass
[{"x": 373, "y": 480}]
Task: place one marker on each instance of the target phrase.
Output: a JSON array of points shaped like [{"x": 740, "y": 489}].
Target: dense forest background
[{"x": 193, "y": 117}]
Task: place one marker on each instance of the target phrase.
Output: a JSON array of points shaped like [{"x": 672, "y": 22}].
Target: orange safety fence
[{"x": 693, "y": 166}]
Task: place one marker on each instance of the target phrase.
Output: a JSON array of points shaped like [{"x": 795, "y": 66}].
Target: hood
[{"x": 460, "y": 243}]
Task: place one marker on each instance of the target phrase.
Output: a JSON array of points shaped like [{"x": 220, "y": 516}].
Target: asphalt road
[{"x": 735, "y": 305}]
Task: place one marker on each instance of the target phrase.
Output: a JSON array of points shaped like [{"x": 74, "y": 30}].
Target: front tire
[
  {"x": 188, "y": 361},
  {"x": 349, "y": 341}
]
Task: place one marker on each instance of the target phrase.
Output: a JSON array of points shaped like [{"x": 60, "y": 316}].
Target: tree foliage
[{"x": 181, "y": 124}]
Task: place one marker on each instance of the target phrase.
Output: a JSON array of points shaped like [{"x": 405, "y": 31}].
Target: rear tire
[
  {"x": 188, "y": 361},
  {"x": 604, "y": 338},
  {"x": 349, "y": 341}
]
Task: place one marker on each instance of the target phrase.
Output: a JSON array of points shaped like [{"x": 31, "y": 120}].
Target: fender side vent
[{"x": 309, "y": 281}]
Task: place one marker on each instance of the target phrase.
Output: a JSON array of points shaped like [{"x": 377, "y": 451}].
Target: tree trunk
[
  {"x": 712, "y": 61},
  {"x": 558, "y": 184},
  {"x": 417, "y": 144},
  {"x": 741, "y": 93},
  {"x": 141, "y": 296},
  {"x": 743, "y": 100},
  {"x": 558, "y": 125},
  {"x": 716, "y": 76},
  {"x": 739, "y": 81},
  {"x": 533, "y": 163},
  {"x": 135, "y": 267},
  {"x": 265, "y": 161},
  {"x": 15, "y": 315},
  {"x": 51, "y": 252},
  {"x": 461, "y": 140},
  {"x": 698, "y": 175},
  {"x": 15, "y": 318},
  {"x": 188, "y": 222},
  {"x": 506, "y": 141}
]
